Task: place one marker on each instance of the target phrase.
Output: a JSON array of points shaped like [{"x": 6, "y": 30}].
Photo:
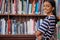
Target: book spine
[
  {"x": 6, "y": 6},
  {"x": 18, "y": 27},
  {"x": 19, "y": 7},
  {"x": 24, "y": 7},
  {"x": 15, "y": 6},
  {"x": 9, "y": 25},
  {"x": 3, "y": 26},
  {"x": 0, "y": 26},
  {"x": 10, "y": 6},
  {"x": 30, "y": 8},
  {"x": 25, "y": 27},
  {"x": 39, "y": 8},
  {"x": 15, "y": 27},
  {"x": 6, "y": 28},
  {"x": 33, "y": 7},
  {"x": 0, "y": 5},
  {"x": 28, "y": 29},
  {"x": 3, "y": 5},
  {"x": 27, "y": 7},
  {"x": 36, "y": 8}
]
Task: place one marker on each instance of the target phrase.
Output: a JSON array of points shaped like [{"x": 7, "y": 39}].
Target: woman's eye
[
  {"x": 43, "y": 5},
  {"x": 48, "y": 6}
]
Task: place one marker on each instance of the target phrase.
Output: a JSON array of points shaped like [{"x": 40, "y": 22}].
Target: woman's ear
[{"x": 53, "y": 8}]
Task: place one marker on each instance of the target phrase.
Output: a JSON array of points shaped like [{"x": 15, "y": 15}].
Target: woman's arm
[
  {"x": 42, "y": 29},
  {"x": 39, "y": 35}
]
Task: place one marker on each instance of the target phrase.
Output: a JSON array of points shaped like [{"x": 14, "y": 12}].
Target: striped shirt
[{"x": 48, "y": 26}]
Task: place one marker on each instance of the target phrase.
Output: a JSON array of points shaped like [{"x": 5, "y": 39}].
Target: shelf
[
  {"x": 3, "y": 14},
  {"x": 27, "y": 15},
  {"x": 22, "y": 15},
  {"x": 17, "y": 37}
]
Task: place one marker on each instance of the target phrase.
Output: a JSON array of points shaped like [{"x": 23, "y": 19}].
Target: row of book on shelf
[
  {"x": 21, "y": 6},
  {"x": 58, "y": 30},
  {"x": 12, "y": 26}
]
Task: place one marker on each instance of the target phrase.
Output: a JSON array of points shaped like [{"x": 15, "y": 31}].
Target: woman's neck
[{"x": 49, "y": 14}]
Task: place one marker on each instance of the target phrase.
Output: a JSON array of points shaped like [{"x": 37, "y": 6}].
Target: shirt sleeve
[{"x": 43, "y": 27}]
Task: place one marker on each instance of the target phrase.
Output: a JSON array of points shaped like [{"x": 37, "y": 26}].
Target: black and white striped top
[{"x": 48, "y": 26}]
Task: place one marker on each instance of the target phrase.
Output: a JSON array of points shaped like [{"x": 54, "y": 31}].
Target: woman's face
[{"x": 47, "y": 7}]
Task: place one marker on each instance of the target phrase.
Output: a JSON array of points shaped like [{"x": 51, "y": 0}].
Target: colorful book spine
[
  {"x": 11, "y": 6},
  {"x": 33, "y": 7},
  {"x": 30, "y": 8},
  {"x": 6, "y": 6},
  {"x": 25, "y": 27},
  {"x": 28, "y": 29},
  {"x": 9, "y": 25},
  {"x": 21, "y": 28},
  {"x": 42, "y": 12},
  {"x": 33, "y": 26},
  {"x": 58, "y": 8},
  {"x": 19, "y": 7},
  {"x": 18, "y": 27},
  {"x": 15, "y": 27},
  {"x": 24, "y": 7},
  {"x": 0, "y": 5},
  {"x": 3, "y": 26},
  {"x": 37, "y": 8},
  {"x": 0, "y": 26},
  {"x": 27, "y": 6},
  {"x": 3, "y": 6},
  {"x": 6, "y": 28},
  {"x": 41, "y": 20},
  {"x": 15, "y": 6},
  {"x": 12, "y": 27},
  {"x": 38, "y": 24}
]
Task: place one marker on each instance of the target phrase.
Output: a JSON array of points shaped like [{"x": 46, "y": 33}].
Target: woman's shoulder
[{"x": 51, "y": 17}]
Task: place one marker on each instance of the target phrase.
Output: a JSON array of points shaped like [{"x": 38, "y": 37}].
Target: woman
[{"x": 47, "y": 28}]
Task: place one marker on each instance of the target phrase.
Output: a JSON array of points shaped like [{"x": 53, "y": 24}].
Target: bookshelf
[
  {"x": 17, "y": 37},
  {"x": 20, "y": 36},
  {"x": 13, "y": 12}
]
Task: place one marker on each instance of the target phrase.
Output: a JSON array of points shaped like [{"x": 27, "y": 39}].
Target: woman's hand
[{"x": 37, "y": 33}]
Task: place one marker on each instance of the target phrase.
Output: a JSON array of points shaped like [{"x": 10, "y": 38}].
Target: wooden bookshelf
[
  {"x": 17, "y": 37},
  {"x": 23, "y": 15},
  {"x": 19, "y": 17}
]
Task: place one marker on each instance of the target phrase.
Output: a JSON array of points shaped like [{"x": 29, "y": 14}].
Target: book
[
  {"x": 18, "y": 23},
  {"x": 36, "y": 8},
  {"x": 25, "y": 27},
  {"x": 33, "y": 7},
  {"x": 58, "y": 8},
  {"x": 3, "y": 6},
  {"x": 6, "y": 6},
  {"x": 24, "y": 7},
  {"x": 11, "y": 2},
  {"x": 9, "y": 25},
  {"x": 58, "y": 30},
  {"x": 30, "y": 26},
  {"x": 0, "y": 5},
  {"x": 0, "y": 26},
  {"x": 30, "y": 8},
  {"x": 3, "y": 26},
  {"x": 27, "y": 6},
  {"x": 39, "y": 8},
  {"x": 14, "y": 27},
  {"x": 15, "y": 6},
  {"x": 19, "y": 7},
  {"x": 6, "y": 28}
]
